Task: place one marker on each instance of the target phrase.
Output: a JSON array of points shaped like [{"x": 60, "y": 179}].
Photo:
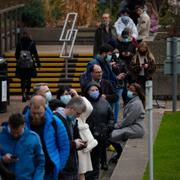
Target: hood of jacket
[{"x": 88, "y": 111}]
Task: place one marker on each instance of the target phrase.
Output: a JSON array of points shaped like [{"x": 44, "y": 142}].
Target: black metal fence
[{"x": 10, "y": 23}]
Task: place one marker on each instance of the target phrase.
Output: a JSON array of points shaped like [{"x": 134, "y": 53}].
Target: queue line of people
[{"x": 67, "y": 137}]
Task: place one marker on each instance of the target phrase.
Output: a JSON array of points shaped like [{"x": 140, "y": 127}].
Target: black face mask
[{"x": 142, "y": 53}]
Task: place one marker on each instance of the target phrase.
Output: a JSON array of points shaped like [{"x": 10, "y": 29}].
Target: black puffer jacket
[{"x": 101, "y": 120}]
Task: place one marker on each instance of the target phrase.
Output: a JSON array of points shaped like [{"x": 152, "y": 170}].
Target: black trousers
[{"x": 25, "y": 84}]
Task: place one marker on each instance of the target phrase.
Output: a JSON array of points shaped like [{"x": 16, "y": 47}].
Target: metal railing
[
  {"x": 68, "y": 37},
  {"x": 10, "y": 19}
]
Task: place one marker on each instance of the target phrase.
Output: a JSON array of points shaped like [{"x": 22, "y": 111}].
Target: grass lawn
[{"x": 167, "y": 149}]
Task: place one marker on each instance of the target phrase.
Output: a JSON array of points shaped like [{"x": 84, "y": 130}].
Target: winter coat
[
  {"x": 101, "y": 120},
  {"x": 143, "y": 25},
  {"x": 106, "y": 87},
  {"x": 106, "y": 69},
  {"x": 73, "y": 133},
  {"x": 56, "y": 141},
  {"x": 28, "y": 149},
  {"x": 135, "y": 66},
  {"x": 119, "y": 25},
  {"x": 103, "y": 37},
  {"x": 85, "y": 164},
  {"x": 132, "y": 125},
  {"x": 27, "y": 44}
]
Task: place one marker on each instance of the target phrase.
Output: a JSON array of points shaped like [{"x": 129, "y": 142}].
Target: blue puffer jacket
[
  {"x": 57, "y": 143},
  {"x": 30, "y": 163}
]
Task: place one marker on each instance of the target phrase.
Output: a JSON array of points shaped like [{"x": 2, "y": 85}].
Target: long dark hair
[{"x": 139, "y": 92}]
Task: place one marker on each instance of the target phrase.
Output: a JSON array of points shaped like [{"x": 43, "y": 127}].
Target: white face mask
[
  {"x": 65, "y": 99},
  {"x": 48, "y": 96}
]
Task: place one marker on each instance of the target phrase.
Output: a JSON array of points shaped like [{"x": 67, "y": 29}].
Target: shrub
[{"x": 32, "y": 14}]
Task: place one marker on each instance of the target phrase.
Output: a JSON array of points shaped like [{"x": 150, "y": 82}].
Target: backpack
[{"x": 25, "y": 59}]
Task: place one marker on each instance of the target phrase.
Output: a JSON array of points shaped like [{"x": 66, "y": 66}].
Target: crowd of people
[{"x": 66, "y": 137}]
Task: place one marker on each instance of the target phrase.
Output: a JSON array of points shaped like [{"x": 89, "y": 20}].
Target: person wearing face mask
[
  {"x": 143, "y": 65},
  {"x": 20, "y": 151},
  {"x": 103, "y": 59},
  {"x": 105, "y": 33},
  {"x": 132, "y": 124},
  {"x": 74, "y": 108},
  {"x": 127, "y": 49},
  {"x": 124, "y": 21},
  {"x": 43, "y": 90},
  {"x": 101, "y": 123},
  {"x": 52, "y": 133}
]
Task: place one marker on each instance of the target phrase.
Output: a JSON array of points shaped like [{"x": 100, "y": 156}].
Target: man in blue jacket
[
  {"x": 21, "y": 150},
  {"x": 53, "y": 136}
]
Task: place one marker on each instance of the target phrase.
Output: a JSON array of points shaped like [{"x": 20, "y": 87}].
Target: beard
[{"x": 36, "y": 120}]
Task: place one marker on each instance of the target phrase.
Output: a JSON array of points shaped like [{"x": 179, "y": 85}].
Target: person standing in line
[
  {"x": 68, "y": 115},
  {"x": 84, "y": 157},
  {"x": 101, "y": 123},
  {"x": 104, "y": 34},
  {"x": 144, "y": 23},
  {"x": 20, "y": 150},
  {"x": 52, "y": 133},
  {"x": 26, "y": 49},
  {"x": 124, "y": 21},
  {"x": 143, "y": 65}
]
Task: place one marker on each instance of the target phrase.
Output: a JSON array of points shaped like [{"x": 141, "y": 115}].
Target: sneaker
[{"x": 111, "y": 148}]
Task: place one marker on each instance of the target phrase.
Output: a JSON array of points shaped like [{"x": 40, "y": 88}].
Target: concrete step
[{"x": 52, "y": 71}]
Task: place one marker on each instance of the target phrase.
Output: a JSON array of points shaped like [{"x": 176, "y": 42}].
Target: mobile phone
[{"x": 14, "y": 157}]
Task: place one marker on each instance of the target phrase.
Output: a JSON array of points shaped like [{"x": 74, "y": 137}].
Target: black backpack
[{"x": 25, "y": 59}]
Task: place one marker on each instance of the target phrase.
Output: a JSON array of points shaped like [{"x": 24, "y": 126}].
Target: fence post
[
  {"x": 174, "y": 71},
  {"x": 149, "y": 113},
  {"x": 0, "y": 35}
]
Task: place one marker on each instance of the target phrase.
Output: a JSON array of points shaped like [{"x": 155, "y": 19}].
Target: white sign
[{"x": 4, "y": 91}]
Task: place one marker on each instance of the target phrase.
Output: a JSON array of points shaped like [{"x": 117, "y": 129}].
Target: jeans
[{"x": 116, "y": 105}]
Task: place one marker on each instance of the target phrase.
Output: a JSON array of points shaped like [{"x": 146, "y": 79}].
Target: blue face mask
[
  {"x": 94, "y": 94},
  {"x": 65, "y": 99},
  {"x": 108, "y": 58},
  {"x": 125, "y": 19},
  {"x": 130, "y": 94}
]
